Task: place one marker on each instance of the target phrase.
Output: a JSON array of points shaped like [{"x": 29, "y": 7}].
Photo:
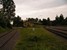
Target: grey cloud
[
  {"x": 33, "y": 8},
  {"x": 55, "y": 3},
  {"x": 41, "y": 4}
]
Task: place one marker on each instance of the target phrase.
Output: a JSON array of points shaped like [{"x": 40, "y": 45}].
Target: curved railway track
[
  {"x": 61, "y": 29},
  {"x": 58, "y": 32}
]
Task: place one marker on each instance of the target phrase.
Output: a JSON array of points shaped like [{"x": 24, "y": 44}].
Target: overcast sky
[{"x": 40, "y": 8}]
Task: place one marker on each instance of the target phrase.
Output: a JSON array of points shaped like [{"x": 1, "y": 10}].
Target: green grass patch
[
  {"x": 2, "y": 30},
  {"x": 39, "y": 39}
]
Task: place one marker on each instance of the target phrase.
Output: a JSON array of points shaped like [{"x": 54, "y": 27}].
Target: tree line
[
  {"x": 59, "y": 21},
  {"x": 7, "y": 15}
]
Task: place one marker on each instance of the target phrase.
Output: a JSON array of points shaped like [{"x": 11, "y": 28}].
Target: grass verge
[
  {"x": 2, "y": 30},
  {"x": 39, "y": 39}
]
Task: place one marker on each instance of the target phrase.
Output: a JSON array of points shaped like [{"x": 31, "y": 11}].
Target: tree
[
  {"x": 40, "y": 21},
  {"x": 56, "y": 22},
  {"x": 17, "y": 22},
  {"x": 32, "y": 20},
  {"x": 7, "y": 12},
  {"x": 21, "y": 23},
  {"x": 2, "y": 19},
  {"x": 61, "y": 19},
  {"x": 48, "y": 21},
  {"x": 36, "y": 20},
  {"x": 44, "y": 22},
  {"x": 65, "y": 21},
  {"x": 8, "y": 8}
]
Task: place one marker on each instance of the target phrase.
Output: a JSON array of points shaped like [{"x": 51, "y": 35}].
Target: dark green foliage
[
  {"x": 21, "y": 23},
  {"x": 8, "y": 23},
  {"x": 8, "y": 8},
  {"x": 56, "y": 21},
  {"x": 40, "y": 21},
  {"x": 65, "y": 21},
  {"x": 17, "y": 22},
  {"x": 59, "y": 21},
  {"x": 32, "y": 20},
  {"x": 44, "y": 22},
  {"x": 2, "y": 20},
  {"x": 48, "y": 21},
  {"x": 6, "y": 13},
  {"x": 35, "y": 21}
]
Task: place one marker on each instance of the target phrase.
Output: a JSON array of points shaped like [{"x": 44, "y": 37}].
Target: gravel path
[{"x": 8, "y": 41}]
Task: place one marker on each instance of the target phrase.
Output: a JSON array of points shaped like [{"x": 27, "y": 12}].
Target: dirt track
[{"x": 8, "y": 41}]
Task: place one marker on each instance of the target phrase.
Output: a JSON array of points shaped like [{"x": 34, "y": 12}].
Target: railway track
[
  {"x": 58, "y": 32},
  {"x": 5, "y": 38},
  {"x": 5, "y": 33},
  {"x": 61, "y": 29}
]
